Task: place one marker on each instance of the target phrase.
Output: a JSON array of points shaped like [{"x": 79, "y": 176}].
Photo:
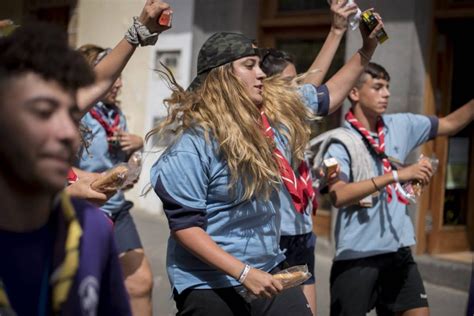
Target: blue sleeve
[
  {"x": 317, "y": 99},
  {"x": 338, "y": 151},
  {"x": 421, "y": 128},
  {"x": 180, "y": 180}
]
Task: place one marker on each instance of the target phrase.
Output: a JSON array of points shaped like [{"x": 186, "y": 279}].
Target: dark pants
[
  {"x": 227, "y": 302},
  {"x": 390, "y": 283},
  {"x": 300, "y": 251},
  {"x": 125, "y": 232}
]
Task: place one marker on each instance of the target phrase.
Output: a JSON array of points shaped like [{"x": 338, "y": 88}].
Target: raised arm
[
  {"x": 323, "y": 60},
  {"x": 340, "y": 84},
  {"x": 457, "y": 120},
  {"x": 108, "y": 70}
]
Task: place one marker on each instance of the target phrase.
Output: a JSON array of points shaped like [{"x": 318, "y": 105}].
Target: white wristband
[
  {"x": 395, "y": 176},
  {"x": 244, "y": 273}
]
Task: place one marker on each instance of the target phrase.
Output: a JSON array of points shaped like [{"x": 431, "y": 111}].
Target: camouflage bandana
[{"x": 221, "y": 48}]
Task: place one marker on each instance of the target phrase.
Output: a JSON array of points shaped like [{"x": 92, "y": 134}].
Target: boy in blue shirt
[{"x": 373, "y": 264}]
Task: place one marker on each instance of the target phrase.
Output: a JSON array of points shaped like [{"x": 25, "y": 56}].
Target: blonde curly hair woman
[{"x": 224, "y": 178}]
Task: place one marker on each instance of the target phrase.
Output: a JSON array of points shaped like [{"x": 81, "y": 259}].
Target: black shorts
[
  {"x": 389, "y": 282},
  {"x": 227, "y": 302},
  {"x": 125, "y": 232},
  {"x": 300, "y": 250}
]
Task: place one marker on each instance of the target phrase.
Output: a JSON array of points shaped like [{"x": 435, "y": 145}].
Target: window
[{"x": 170, "y": 59}]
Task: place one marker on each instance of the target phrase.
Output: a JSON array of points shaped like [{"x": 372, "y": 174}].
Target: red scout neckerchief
[
  {"x": 378, "y": 148},
  {"x": 300, "y": 188},
  {"x": 109, "y": 129}
]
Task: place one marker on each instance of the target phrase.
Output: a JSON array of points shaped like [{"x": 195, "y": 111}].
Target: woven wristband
[{"x": 138, "y": 34}]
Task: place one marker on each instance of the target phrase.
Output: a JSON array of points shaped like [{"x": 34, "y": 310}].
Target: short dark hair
[
  {"x": 376, "y": 71},
  {"x": 43, "y": 49},
  {"x": 274, "y": 61}
]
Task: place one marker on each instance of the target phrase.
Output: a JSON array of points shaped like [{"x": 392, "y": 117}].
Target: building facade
[{"x": 426, "y": 56}]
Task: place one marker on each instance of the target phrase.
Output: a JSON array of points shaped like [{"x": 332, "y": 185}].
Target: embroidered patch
[{"x": 89, "y": 295}]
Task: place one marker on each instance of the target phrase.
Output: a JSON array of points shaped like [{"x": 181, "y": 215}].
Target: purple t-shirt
[{"x": 98, "y": 287}]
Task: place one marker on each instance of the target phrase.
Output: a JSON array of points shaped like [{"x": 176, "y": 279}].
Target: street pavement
[{"x": 154, "y": 233}]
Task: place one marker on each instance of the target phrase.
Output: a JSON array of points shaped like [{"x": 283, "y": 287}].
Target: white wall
[
  {"x": 178, "y": 39},
  {"x": 158, "y": 91}
]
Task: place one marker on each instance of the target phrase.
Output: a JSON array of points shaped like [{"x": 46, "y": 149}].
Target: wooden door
[{"x": 448, "y": 209}]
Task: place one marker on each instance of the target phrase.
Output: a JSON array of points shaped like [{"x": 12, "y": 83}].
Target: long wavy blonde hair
[{"x": 223, "y": 109}]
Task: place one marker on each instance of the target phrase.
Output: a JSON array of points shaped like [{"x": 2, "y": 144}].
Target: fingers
[
  {"x": 333, "y": 177},
  {"x": 277, "y": 284},
  {"x": 5, "y": 23},
  {"x": 151, "y": 13},
  {"x": 423, "y": 173},
  {"x": 262, "y": 284},
  {"x": 338, "y": 3},
  {"x": 376, "y": 30},
  {"x": 349, "y": 10},
  {"x": 163, "y": 6},
  {"x": 154, "y": 7},
  {"x": 426, "y": 170}
]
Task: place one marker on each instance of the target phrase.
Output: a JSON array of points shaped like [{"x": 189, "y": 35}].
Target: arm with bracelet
[
  {"x": 341, "y": 83},
  {"x": 198, "y": 242},
  {"x": 343, "y": 192},
  {"x": 143, "y": 31}
]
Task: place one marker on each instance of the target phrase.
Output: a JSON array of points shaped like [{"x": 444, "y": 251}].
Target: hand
[
  {"x": 5, "y": 23},
  {"x": 421, "y": 172},
  {"x": 129, "y": 143},
  {"x": 330, "y": 178},
  {"x": 7, "y": 27},
  {"x": 340, "y": 15},
  {"x": 82, "y": 189},
  {"x": 150, "y": 14},
  {"x": 130, "y": 185},
  {"x": 369, "y": 40},
  {"x": 333, "y": 177},
  {"x": 262, "y": 284}
]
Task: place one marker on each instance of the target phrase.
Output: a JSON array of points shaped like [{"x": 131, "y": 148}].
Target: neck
[
  {"x": 22, "y": 211},
  {"x": 367, "y": 120}
]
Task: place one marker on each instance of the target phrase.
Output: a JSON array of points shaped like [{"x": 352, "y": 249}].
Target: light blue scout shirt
[
  {"x": 292, "y": 222},
  {"x": 98, "y": 158},
  {"x": 385, "y": 227},
  {"x": 192, "y": 179}
]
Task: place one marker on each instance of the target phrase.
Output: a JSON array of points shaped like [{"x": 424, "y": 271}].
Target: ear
[{"x": 354, "y": 95}]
